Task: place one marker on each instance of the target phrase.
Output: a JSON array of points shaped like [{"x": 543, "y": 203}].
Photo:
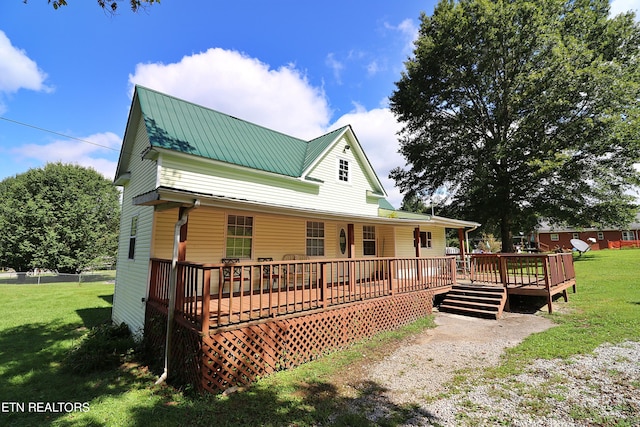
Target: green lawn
[{"x": 39, "y": 324}]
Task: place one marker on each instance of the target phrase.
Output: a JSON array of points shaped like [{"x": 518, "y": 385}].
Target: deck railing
[
  {"x": 218, "y": 295},
  {"x": 513, "y": 270}
]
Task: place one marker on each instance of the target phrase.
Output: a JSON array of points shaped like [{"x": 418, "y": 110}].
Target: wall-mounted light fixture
[{"x": 346, "y": 148}]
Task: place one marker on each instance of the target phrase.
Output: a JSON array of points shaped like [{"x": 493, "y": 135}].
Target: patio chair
[
  {"x": 232, "y": 274},
  {"x": 270, "y": 272}
]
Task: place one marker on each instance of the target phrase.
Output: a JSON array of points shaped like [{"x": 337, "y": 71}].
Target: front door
[
  {"x": 343, "y": 241},
  {"x": 344, "y": 250}
]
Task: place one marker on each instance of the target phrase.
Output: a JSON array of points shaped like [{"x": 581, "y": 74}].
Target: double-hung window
[
  {"x": 315, "y": 238},
  {"x": 132, "y": 237},
  {"x": 368, "y": 240},
  {"x": 343, "y": 170},
  {"x": 239, "y": 236},
  {"x": 425, "y": 239},
  {"x": 628, "y": 235}
]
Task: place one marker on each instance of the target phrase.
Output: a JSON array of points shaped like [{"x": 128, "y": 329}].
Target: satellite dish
[{"x": 580, "y": 245}]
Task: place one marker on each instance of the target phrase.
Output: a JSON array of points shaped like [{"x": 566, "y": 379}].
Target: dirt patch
[{"x": 422, "y": 365}]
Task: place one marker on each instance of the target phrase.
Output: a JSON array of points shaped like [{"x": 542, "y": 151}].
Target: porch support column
[
  {"x": 351, "y": 240},
  {"x": 182, "y": 244}
]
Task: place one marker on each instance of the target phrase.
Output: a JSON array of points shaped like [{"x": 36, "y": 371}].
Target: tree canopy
[
  {"x": 60, "y": 217},
  {"x": 110, "y": 5},
  {"x": 524, "y": 111}
]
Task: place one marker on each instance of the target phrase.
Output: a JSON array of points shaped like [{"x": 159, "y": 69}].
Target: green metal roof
[{"x": 185, "y": 127}]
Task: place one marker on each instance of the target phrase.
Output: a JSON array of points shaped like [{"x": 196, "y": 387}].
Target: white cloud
[
  {"x": 376, "y": 130},
  {"x": 231, "y": 82},
  {"x": 76, "y": 152},
  {"x": 336, "y": 66},
  {"x": 409, "y": 32},
  {"x": 17, "y": 70},
  {"x": 621, "y": 6}
]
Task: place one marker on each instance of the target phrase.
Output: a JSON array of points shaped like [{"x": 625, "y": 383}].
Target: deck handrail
[
  {"x": 547, "y": 270},
  {"x": 217, "y": 294}
]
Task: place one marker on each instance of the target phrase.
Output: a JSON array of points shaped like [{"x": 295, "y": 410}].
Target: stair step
[
  {"x": 476, "y": 294},
  {"x": 463, "y": 298},
  {"x": 467, "y": 309},
  {"x": 480, "y": 288},
  {"x": 469, "y": 304},
  {"x": 475, "y": 300}
]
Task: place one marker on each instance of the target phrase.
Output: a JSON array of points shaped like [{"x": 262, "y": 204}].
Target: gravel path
[{"x": 598, "y": 389}]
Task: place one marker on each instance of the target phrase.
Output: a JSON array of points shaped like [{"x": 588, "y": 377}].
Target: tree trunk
[{"x": 505, "y": 234}]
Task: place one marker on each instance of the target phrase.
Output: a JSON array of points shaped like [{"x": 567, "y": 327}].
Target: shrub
[{"x": 104, "y": 347}]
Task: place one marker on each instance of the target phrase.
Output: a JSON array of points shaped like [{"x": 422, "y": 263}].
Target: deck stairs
[{"x": 475, "y": 300}]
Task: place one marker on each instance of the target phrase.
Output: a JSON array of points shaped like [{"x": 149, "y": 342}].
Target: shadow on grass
[
  {"x": 315, "y": 404},
  {"x": 31, "y": 359}
]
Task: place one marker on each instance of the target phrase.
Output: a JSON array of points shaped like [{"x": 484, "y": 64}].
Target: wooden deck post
[
  {"x": 391, "y": 277},
  {"x": 463, "y": 254},
  {"x": 206, "y": 299},
  {"x": 323, "y": 278},
  {"x": 547, "y": 284}
]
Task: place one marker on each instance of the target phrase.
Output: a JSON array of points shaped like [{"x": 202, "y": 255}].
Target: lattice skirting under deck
[{"x": 240, "y": 356}]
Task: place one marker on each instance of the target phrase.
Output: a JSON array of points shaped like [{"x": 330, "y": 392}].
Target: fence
[{"x": 49, "y": 277}]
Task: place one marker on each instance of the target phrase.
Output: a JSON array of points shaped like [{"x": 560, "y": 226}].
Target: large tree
[
  {"x": 523, "y": 110},
  {"x": 109, "y": 5},
  {"x": 60, "y": 217}
]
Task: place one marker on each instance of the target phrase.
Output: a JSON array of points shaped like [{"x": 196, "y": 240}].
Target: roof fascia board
[{"x": 129, "y": 135}]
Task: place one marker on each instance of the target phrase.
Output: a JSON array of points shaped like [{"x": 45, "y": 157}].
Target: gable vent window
[
  {"x": 343, "y": 170},
  {"x": 239, "y": 236},
  {"x": 132, "y": 237}
]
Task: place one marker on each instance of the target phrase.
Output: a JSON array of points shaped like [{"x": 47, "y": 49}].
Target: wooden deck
[
  {"x": 544, "y": 275},
  {"x": 241, "y": 321},
  {"x": 213, "y": 296}
]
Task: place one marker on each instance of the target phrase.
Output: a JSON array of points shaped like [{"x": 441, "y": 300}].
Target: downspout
[{"x": 173, "y": 279}]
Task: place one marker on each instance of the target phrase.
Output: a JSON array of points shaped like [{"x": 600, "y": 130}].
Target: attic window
[{"x": 343, "y": 170}]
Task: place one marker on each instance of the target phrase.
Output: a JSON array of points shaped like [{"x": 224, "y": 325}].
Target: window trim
[
  {"x": 554, "y": 237},
  {"x": 347, "y": 170},
  {"x": 600, "y": 235},
  {"x": 627, "y": 235},
  {"x": 133, "y": 233},
  {"x": 319, "y": 248},
  {"x": 370, "y": 232},
  {"x": 249, "y": 237},
  {"x": 426, "y": 239}
]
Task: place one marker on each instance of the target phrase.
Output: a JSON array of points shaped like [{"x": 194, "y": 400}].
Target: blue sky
[{"x": 67, "y": 75}]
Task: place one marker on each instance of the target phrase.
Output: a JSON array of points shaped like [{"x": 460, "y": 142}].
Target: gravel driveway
[{"x": 599, "y": 389}]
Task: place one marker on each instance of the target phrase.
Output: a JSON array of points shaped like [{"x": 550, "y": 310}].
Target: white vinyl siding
[
  {"x": 405, "y": 242},
  {"x": 324, "y": 194},
  {"x": 132, "y": 274}
]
